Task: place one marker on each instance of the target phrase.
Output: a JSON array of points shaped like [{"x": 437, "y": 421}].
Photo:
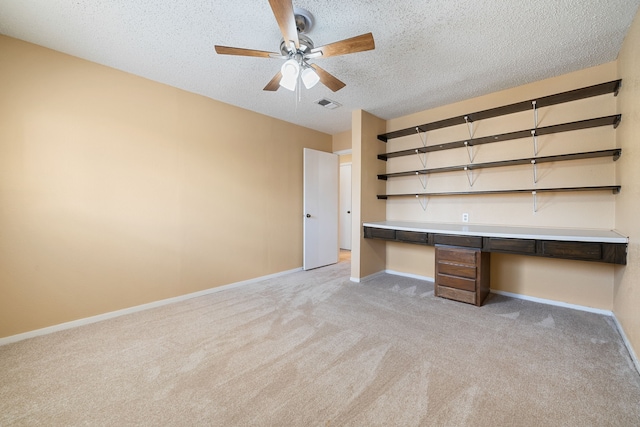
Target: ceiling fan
[{"x": 297, "y": 49}]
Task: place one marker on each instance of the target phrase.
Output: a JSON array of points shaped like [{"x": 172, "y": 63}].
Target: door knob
[
  {"x": 308, "y": 216},
  {"x": 348, "y": 212}
]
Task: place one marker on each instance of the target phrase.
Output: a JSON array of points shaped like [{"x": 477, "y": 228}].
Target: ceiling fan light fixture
[
  {"x": 309, "y": 77},
  {"x": 288, "y": 82},
  {"x": 296, "y": 48},
  {"x": 290, "y": 68},
  {"x": 290, "y": 71}
]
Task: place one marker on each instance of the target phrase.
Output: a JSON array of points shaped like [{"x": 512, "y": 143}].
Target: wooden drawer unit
[
  {"x": 379, "y": 233},
  {"x": 412, "y": 237},
  {"x": 462, "y": 274},
  {"x": 455, "y": 240},
  {"x": 514, "y": 246}
]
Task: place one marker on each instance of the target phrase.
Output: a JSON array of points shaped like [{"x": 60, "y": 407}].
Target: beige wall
[
  {"x": 367, "y": 255},
  {"x": 574, "y": 282},
  {"x": 345, "y": 158},
  {"x": 341, "y": 141},
  {"x": 627, "y": 279},
  {"x": 117, "y": 191}
]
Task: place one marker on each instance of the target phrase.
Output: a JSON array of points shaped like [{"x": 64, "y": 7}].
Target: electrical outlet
[{"x": 465, "y": 217}]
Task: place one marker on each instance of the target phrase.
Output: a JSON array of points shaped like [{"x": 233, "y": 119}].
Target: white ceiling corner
[{"x": 428, "y": 53}]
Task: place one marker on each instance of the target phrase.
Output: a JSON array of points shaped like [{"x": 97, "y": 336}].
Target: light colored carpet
[{"x": 312, "y": 348}]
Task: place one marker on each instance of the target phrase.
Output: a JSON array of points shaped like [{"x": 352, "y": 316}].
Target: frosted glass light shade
[
  {"x": 290, "y": 71},
  {"x": 309, "y": 77},
  {"x": 288, "y": 82}
]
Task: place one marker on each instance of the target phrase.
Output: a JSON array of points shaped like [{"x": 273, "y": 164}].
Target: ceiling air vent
[{"x": 327, "y": 103}]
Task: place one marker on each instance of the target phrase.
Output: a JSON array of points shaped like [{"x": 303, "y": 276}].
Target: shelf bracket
[
  {"x": 423, "y": 158},
  {"x": 535, "y": 171},
  {"x": 535, "y": 128},
  {"x": 424, "y": 203},
  {"x": 469, "y": 122},
  {"x": 424, "y": 140},
  {"x": 535, "y": 202},
  {"x": 423, "y": 181},
  {"x": 469, "y": 151},
  {"x": 469, "y": 175}
]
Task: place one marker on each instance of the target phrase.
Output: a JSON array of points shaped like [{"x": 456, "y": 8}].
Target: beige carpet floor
[{"x": 313, "y": 349}]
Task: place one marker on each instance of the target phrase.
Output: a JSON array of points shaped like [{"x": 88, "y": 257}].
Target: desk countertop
[{"x": 504, "y": 231}]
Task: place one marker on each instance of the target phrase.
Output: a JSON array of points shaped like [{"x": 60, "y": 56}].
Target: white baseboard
[
  {"x": 366, "y": 278},
  {"x": 627, "y": 343},
  {"x": 395, "y": 273},
  {"x": 552, "y": 302},
  {"x": 135, "y": 309},
  {"x": 412, "y": 276}
]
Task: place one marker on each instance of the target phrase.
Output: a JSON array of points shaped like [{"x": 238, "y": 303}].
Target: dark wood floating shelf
[
  {"x": 572, "y": 95},
  {"x": 546, "y": 130},
  {"x": 613, "y": 188},
  {"x": 615, "y": 153},
  {"x": 613, "y": 253}
]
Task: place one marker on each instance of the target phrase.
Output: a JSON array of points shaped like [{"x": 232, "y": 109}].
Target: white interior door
[
  {"x": 345, "y": 206},
  {"x": 320, "y": 209}
]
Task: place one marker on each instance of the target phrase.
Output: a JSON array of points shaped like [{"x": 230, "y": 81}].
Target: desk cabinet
[{"x": 462, "y": 274}]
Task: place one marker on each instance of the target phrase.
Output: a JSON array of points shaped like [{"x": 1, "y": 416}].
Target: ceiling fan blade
[
  {"x": 226, "y": 50},
  {"x": 354, "y": 44},
  {"x": 283, "y": 11},
  {"x": 274, "y": 84},
  {"x": 327, "y": 79}
]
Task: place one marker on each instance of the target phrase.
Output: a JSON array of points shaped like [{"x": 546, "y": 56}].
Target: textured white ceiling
[{"x": 428, "y": 52}]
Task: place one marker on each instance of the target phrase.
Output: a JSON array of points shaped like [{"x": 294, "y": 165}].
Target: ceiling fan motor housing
[
  {"x": 304, "y": 20},
  {"x": 306, "y": 44}
]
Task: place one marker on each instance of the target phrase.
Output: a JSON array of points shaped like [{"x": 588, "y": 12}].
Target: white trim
[
  {"x": 135, "y": 309},
  {"x": 412, "y": 276},
  {"x": 341, "y": 152},
  {"x": 552, "y": 302},
  {"x": 392, "y": 272},
  {"x": 367, "y": 278},
  {"x": 627, "y": 344}
]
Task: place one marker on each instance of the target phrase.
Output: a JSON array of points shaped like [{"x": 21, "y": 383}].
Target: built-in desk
[{"x": 567, "y": 243}]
